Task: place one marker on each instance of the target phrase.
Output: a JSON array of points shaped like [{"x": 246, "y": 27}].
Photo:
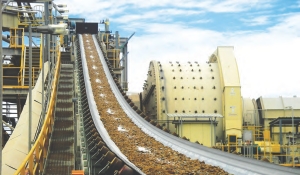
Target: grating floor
[{"x": 61, "y": 159}]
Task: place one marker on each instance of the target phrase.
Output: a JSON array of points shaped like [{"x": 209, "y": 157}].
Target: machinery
[
  {"x": 199, "y": 101},
  {"x": 203, "y": 103},
  {"x": 57, "y": 128}
]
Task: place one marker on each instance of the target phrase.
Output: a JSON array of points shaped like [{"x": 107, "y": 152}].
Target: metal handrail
[
  {"x": 34, "y": 161},
  {"x": 47, "y": 95},
  {"x": 19, "y": 77},
  {"x": 267, "y": 152},
  {"x": 14, "y": 37},
  {"x": 23, "y": 55},
  {"x": 24, "y": 15}
]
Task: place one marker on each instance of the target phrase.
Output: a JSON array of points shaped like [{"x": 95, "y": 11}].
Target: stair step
[
  {"x": 66, "y": 75},
  {"x": 65, "y": 92},
  {"x": 61, "y": 158}
]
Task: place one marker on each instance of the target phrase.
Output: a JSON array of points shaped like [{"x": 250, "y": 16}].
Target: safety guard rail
[
  {"x": 34, "y": 161},
  {"x": 15, "y": 38},
  {"x": 285, "y": 155},
  {"x": 20, "y": 77}
]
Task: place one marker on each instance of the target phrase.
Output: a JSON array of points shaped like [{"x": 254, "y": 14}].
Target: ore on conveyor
[{"x": 157, "y": 159}]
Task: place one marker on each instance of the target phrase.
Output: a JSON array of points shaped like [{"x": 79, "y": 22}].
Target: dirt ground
[{"x": 146, "y": 153}]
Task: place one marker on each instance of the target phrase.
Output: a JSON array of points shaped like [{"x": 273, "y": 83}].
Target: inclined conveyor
[
  {"x": 100, "y": 155},
  {"x": 231, "y": 163}
]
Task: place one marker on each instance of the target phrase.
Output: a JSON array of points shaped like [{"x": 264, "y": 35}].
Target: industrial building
[{"x": 65, "y": 107}]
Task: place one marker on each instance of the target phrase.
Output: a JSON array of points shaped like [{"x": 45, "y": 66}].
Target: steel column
[
  {"x": 280, "y": 132},
  {"x": 1, "y": 88},
  {"x": 30, "y": 88}
]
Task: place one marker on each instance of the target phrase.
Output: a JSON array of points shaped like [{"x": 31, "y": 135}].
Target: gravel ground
[{"x": 146, "y": 153}]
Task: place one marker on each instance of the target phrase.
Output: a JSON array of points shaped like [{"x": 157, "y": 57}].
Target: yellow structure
[
  {"x": 201, "y": 102},
  {"x": 77, "y": 172},
  {"x": 231, "y": 90},
  {"x": 204, "y": 134}
]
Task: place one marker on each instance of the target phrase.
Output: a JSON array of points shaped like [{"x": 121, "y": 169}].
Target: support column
[
  {"x": 125, "y": 69},
  {"x": 280, "y": 132},
  {"x": 30, "y": 88},
  {"x": 1, "y": 87},
  {"x": 280, "y": 138},
  {"x": 47, "y": 46}
]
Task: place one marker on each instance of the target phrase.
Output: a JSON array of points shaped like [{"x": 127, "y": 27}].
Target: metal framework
[{"x": 34, "y": 161}]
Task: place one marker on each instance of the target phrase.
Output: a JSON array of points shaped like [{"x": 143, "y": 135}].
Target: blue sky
[{"x": 264, "y": 33}]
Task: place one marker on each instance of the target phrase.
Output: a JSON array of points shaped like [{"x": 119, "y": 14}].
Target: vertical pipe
[
  {"x": 49, "y": 61},
  {"x": 1, "y": 86},
  {"x": 117, "y": 40},
  {"x": 47, "y": 44},
  {"x": 43, "y": 79},
  {"x": 30, "y": 88},
  {"x": 53, "y": 41}
]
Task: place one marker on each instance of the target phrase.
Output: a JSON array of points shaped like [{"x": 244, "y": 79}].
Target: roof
[
  {"x": 280, "y": 103},
  {"x": 285, "y": 121}
]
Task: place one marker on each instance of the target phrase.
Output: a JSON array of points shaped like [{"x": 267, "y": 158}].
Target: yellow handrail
[
  {"x": 34, "y": 18},
  {"x": 34, "y": 161},
  {"x": 265, "y": 152},
  {"x": 20, "y": 80}
]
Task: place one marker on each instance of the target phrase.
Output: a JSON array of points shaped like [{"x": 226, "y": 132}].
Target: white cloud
[
  {"x": 260, "y": 20},
  {"x": 267, "y": 60},
  {"x": 221, "y": 6},
  {"x": 201, "y": 21},
  {"x": 93, "y": 9},
  {"x": 155, "y": 15}
]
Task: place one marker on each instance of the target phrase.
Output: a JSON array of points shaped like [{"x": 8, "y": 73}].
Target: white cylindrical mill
[{"x": 199, "y": 101}]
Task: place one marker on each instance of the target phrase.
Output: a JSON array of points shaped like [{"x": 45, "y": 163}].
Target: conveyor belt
[
  {"x": 231, "y": 163},
  {"x": 100, "y": 155}
]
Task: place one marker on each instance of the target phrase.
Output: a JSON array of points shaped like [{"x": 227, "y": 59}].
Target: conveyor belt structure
[{"x": 101, "y": 155}]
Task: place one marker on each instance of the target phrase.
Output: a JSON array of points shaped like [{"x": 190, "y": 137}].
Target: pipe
[
  {"x": 4, "y": 38},
  {"x": 12, "y": 128},
  {"x": 2, "y": 8}
]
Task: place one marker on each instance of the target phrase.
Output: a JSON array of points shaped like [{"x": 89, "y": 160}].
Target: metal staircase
[
  {"x": 35, "y": 65},
  {"x": 65, "y": 57},
  {"x": 61, "y": 158}
]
